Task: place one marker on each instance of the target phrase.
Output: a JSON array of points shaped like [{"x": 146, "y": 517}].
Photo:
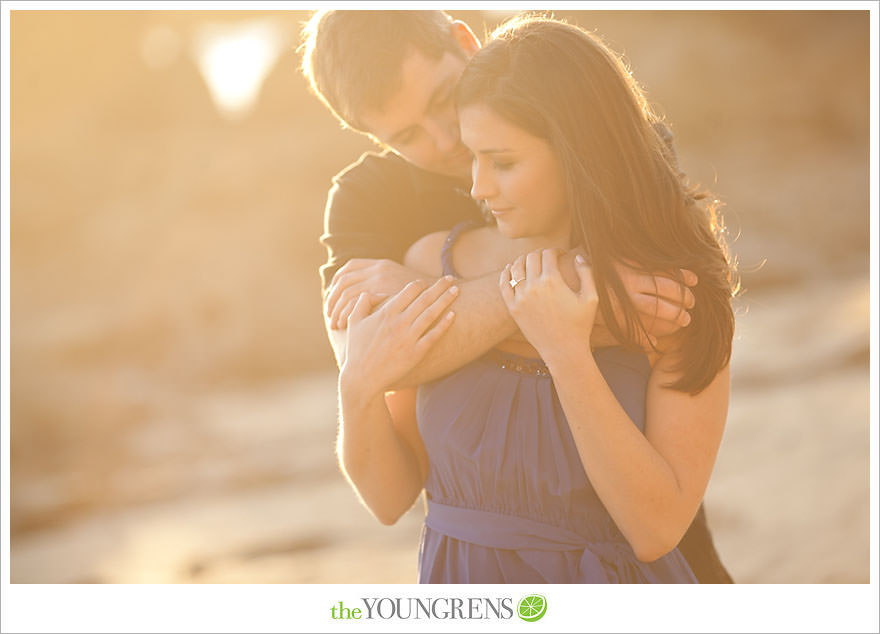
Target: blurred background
[{"x": 173, "y": 407}]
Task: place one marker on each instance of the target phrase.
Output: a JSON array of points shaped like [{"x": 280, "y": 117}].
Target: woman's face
[{"x": 516, "y": 174}]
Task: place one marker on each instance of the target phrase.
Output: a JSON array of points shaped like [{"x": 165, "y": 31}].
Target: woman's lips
[{"x": 499, "y": 212}]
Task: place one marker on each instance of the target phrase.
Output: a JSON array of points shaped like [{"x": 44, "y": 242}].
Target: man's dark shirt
[{"x": 379, "y": 206}]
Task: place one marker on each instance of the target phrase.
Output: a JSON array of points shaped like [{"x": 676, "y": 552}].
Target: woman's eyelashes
[{"x": 498, "y": 164}]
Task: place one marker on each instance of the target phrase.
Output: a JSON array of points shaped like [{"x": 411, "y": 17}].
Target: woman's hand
[
  {"x": 382, "y": 278},
  {"x": 383, "y": 346},
  {"x": 547, "y": 311}
]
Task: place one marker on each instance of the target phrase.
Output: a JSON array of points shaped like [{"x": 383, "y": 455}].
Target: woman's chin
[{"x": 508, "y": 231}]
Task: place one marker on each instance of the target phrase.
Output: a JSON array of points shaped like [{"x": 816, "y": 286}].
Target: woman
[{"x": 547, "y": 461}]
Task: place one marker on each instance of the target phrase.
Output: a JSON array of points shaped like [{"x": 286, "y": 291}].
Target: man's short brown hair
[{"x": 353, "y": 59}]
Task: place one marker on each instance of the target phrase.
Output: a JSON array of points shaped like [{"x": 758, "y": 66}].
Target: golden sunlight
[{"x": 235, "y": 59}]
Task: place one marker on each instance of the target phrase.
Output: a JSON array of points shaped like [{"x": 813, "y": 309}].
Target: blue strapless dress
[{"x": 508, "y": 498}]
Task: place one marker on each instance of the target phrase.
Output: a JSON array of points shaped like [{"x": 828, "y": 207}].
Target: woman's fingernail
[
  {"x": 448, "y": 278},
  {"x": 580, "y": 259},
  {"x": 453, "y": 290}
]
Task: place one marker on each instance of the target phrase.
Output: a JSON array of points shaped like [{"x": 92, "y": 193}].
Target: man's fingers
[
  {"x": 351, "y": 272},
  {"x": 354, "y": 264},
  {"x": 671, "y": 291},
  {"x": 661, "y": 310},
  {"x": 333, "y": 292},
  {"x": 348, "y": 296},
  {"x": 347, "y": 310},
  {"x": 368, "y": 301},
  {"x": 336, "y": 287},
  {"x": 371, "y": 301},
  {"x": 660, "y": 284},
  {"x": 358, "y": 309},
  {"x": 689, "y": 299},
  {"x": 341, "y": 283}
]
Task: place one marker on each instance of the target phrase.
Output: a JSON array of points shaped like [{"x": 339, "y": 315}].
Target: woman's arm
[
  {"x": 650, "y": 483},
  {"x": 383, "y": 457}
]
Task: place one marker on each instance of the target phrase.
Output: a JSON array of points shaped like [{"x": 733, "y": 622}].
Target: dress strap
[{"x": 446, "y": 250}]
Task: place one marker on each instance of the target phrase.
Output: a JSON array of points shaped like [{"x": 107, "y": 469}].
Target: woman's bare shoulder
[
  {"x": 480, "y": 251},
  {"x": 424, "y": 254},
  {"x": 473, "y": 252}
]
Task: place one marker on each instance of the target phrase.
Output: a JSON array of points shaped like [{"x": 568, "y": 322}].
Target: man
[{"x": 392, "y": 75}]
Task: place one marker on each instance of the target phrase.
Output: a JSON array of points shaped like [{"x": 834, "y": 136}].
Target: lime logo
[{"x": 532, "y": 607}]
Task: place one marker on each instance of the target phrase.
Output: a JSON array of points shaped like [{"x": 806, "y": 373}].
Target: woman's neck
[
  {"x": 486, "y": 249},
  {"x": 560, "y": 238}
]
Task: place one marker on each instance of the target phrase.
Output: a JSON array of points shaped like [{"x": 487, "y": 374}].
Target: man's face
[{"x": 419, "y": 121}]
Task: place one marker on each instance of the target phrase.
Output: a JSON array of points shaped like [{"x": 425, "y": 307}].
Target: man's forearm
[{"x": 481, "y": 322}]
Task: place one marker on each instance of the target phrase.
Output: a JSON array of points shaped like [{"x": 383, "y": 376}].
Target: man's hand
[
  {"x": 662, "y": 303},
  {"x": 380, "y": 278}
]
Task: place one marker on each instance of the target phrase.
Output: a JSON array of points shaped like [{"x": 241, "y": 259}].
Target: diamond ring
[{"x": 513, "y": 283}]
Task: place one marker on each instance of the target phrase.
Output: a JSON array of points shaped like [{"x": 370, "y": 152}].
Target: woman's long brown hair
[{"x": 628, "y": 200}]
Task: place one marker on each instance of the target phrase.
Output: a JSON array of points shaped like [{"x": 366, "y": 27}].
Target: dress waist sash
[
  {"x": 497, "y": 530},
  {"x": 603, "y": 559}
]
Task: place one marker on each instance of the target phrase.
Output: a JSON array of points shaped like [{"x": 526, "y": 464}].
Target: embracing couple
[{"x": 530, "y": 308}]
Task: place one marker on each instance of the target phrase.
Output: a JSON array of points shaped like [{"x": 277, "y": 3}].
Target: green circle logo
[{"x": 532, "y": 607}]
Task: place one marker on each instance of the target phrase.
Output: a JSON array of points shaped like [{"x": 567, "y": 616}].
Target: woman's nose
[{"x": 483, "y": 187}]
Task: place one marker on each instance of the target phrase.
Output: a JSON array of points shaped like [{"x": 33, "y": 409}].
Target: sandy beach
[{"x": 787, "y": 503}]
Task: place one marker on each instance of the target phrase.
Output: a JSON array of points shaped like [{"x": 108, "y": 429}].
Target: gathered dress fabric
[{"x": 508, "y": 497}]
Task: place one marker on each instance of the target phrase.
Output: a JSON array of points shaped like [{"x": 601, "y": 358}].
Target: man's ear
[{"x": 465, "y": 37}]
